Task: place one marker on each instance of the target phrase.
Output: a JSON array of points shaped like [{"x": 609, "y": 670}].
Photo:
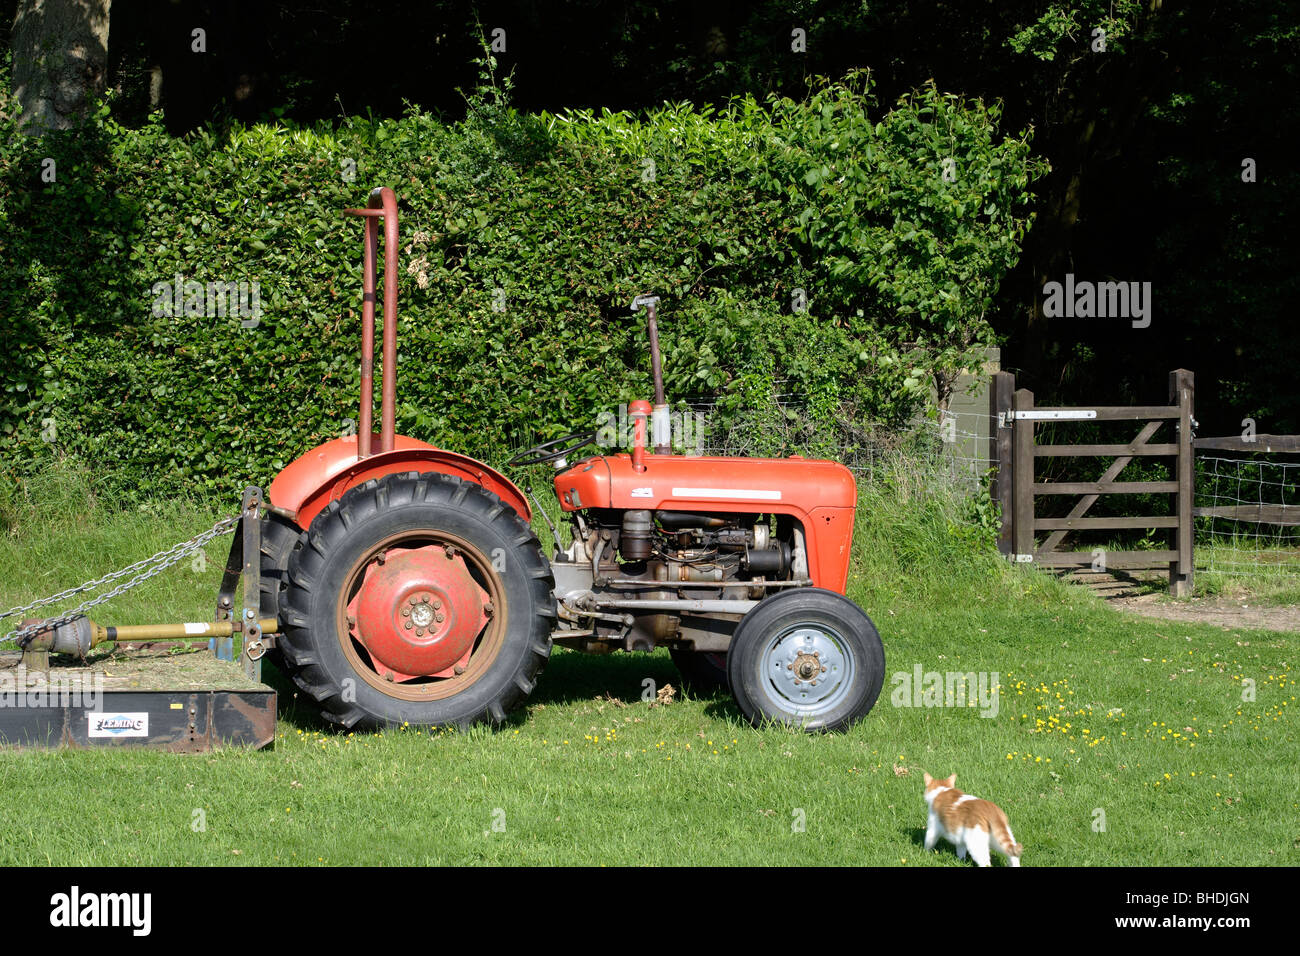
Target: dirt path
[{"x": 1139, "y": 593}]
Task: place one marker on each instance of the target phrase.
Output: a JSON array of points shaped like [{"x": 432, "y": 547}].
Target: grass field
[{"x": 1117, "y": 740}]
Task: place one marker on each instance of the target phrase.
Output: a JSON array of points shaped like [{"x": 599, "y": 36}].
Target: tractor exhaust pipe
[
  {"x": 659, "y": 421},
  {"x": 382, "y": 205}
]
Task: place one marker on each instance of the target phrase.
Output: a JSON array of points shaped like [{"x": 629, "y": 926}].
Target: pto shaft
[{"x": 79, "y": 636}]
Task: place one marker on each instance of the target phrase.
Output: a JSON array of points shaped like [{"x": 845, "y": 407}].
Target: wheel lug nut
[
  {"x": 409, "y": 625},
  {"x": 458, "y": 670},
  {"x": 823, "y": 670},
  {"x": 437, "y": 604},
  {"x": 406, "y": 612},
  {"x": 352, "y": 621},
  {"x": 439, "y": 617},
  {"x": 381, "y": 557}
]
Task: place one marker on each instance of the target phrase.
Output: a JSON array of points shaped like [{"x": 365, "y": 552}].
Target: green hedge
[{"x": 524, "y": 239}]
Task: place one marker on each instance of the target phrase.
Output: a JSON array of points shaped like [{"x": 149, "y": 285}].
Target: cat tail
[{"x": 1005, "y": 838}]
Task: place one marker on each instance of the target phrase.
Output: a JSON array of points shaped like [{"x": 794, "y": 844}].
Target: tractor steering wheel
[{"x": 548, "y": 451}]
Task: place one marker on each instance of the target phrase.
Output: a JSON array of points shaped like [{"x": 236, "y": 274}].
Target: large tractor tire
[
  {"x": 417, "y": 598},
  {"x": 279, "y": 535},
  {"x": 808, "y": 658}
]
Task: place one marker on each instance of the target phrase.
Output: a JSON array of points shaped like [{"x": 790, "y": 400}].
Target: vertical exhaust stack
[
  {"x": 382, "y": 205},
  {"x": 660, "y": 430}
]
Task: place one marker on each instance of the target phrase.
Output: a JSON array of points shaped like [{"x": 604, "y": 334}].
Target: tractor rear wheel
[
  {"x": 417, "y": 598},
  {"x": 807, "y": 657},
  {"x": 279, "y": 535}
]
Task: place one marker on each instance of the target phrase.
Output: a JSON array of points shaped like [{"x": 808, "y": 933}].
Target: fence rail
[
  {"x": 1282, "y": 515},
  {"x": 1269, "y": 444}
]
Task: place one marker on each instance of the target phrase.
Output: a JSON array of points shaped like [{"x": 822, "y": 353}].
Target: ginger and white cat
[{"x": 970, "y": 824}]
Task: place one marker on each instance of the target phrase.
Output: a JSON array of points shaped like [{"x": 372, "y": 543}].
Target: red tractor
[{"x": 408, "y": 585}]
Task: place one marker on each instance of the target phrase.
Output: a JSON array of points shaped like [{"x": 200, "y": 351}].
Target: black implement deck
[{"x": 151, "y": 697}]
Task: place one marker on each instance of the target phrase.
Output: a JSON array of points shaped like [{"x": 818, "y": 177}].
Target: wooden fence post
[
  {"x": 1001, "y": 394},
  {"x": 1182, "y": 392},
  {"x": 1023, "y": 486}
]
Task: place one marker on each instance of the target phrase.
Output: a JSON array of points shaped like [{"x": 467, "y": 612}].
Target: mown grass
[{"x": 1145, "y": 731}]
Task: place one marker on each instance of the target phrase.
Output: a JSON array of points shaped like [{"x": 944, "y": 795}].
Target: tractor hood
[{"x": 674, "y": 483}]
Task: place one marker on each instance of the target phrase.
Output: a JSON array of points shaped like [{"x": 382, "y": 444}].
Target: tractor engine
[
  {"x": 638, "y": 578},
  {"x": 684, "y": 546}
]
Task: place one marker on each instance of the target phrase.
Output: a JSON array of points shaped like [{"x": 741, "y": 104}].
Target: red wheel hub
[{"x": 418, "y": 612}]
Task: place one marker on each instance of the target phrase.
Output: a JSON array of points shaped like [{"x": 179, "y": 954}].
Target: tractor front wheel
[
  {"x": 417, "y": 598},
  {"x": 806, "y": 657}
]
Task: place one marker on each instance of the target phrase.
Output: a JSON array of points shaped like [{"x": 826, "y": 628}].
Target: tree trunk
[{"x": 60, "y": 60}]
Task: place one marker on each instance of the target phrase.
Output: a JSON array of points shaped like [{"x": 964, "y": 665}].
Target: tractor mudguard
[{"x": 322, "y": 475}]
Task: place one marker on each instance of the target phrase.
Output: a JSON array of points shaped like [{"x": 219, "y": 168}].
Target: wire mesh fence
[
  {"x": 953, "y": 442},
  {"x": 1248, "y": 516}
]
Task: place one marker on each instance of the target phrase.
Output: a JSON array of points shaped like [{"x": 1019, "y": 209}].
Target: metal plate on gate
[{"x": 1053, "y": 414}]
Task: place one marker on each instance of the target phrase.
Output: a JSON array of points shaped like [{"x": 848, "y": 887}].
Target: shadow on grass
[
  {"x": 917, "y": 836},
  {"x": 722, "y": 706},
  {"x": 1116, "y": 582},
  {"x": 292, "y": 705},
  {"x": 569, "y": 677}
]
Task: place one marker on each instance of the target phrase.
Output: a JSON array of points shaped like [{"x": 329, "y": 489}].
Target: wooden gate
[{"x": 1016, "y": 486}]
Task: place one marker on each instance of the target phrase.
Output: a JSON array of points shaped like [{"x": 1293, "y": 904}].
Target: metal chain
[{"x": 143, "y": 571}]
